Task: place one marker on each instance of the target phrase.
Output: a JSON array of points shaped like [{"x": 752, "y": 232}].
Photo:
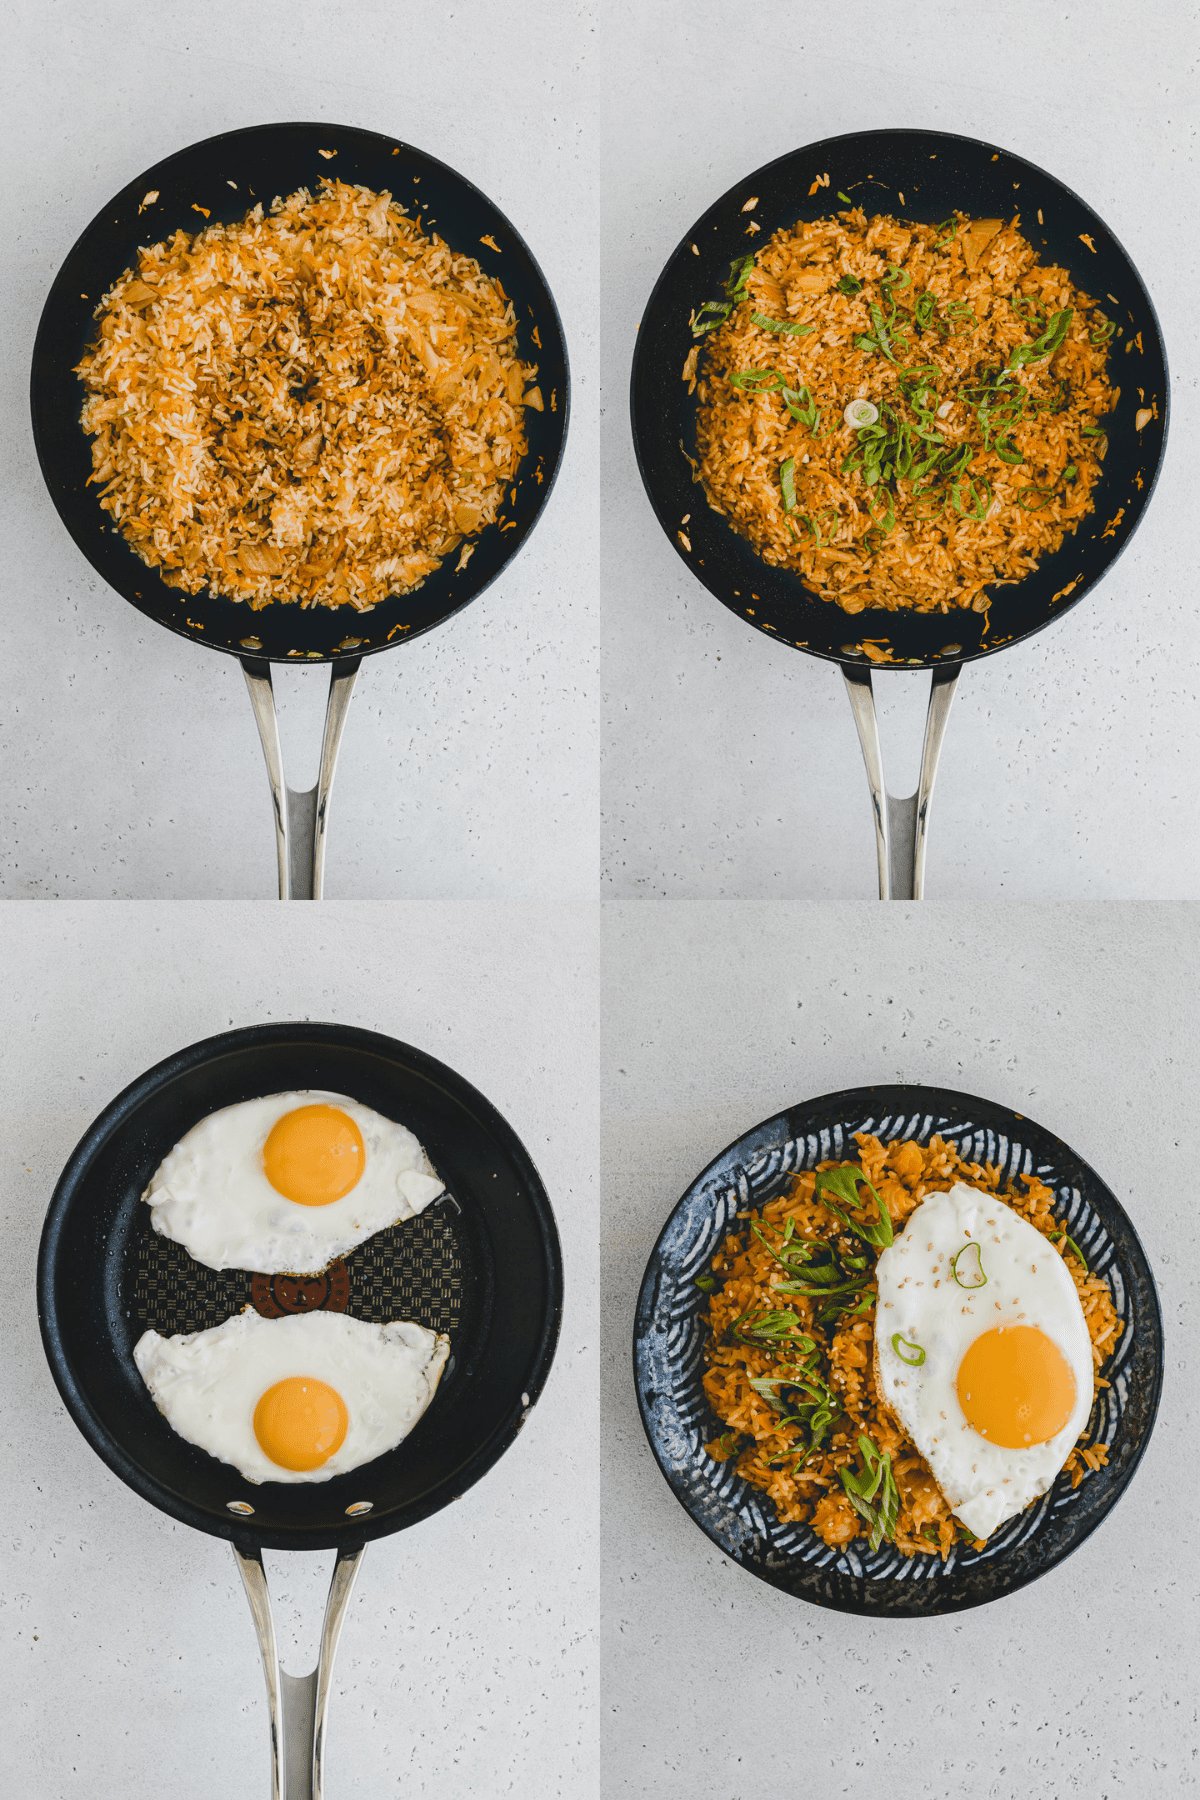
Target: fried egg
[
  {"x": 982, "y": 1352},
  {"x": 288, "y": 1183},
  {"x": 302, "y": 1398}
]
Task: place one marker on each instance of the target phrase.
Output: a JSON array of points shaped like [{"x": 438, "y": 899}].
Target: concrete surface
[
  {"x": 732, "y": 764},
  {"x": 128, "y": 1661},
  {"x": 131, "y": 764},
  {"x": 717, "y": 1015}
]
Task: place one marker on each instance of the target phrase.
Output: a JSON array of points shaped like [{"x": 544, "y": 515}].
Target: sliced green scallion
[
  {"x": 787, "y": 483},
  {"x": 844, "y": 1183},
  {"x": 973, "y": 1275},
  {"x": 757, "y": 381},
  {"x": 780, "y": 325},
  {"x": 873, "y": 1493},
  {"x": 802, "y": 406},
  {"x": 1073, "y": 1247},
  {"x": 914, "y": 1361}
]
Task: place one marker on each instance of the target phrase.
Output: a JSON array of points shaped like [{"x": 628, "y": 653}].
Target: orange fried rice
[
  {"x": 318, "y": 403},
  {"x": 984, "y": 370},
  {"x": 745, "y": 1274}
]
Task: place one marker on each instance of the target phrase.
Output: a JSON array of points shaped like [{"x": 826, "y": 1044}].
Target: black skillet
[
  {"x": 669, "y": 1342},
  {"x": 226, "y": 175},
  {"x": 920, "y": 175},
  {"x": 482, "y": 1265}
]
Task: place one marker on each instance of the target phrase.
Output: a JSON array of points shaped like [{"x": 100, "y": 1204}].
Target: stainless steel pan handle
[
  {"x": 297, "y": 1705},
  {"x": 901, "y": 826},
  {"x": 301, "y": 819}
]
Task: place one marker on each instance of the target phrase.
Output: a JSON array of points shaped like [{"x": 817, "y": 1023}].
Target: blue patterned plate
[{"x": 669, "y": 1341}]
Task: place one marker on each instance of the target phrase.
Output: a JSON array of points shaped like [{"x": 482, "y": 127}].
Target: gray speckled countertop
[
  {"x": 718, "y": 1014},
  {"x": 129, "y": 1661}
]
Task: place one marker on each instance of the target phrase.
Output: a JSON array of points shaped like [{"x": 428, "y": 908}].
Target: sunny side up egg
[
  {"x": 302, "y": 1398},
  {"x": 982, "y": 1352},
  {"x": 287, "y": 1183}
]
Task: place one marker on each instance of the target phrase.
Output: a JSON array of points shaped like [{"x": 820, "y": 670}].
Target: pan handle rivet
[
  {"x": 359, "y": 1507},
  {"x": 240, "y": 1507}
]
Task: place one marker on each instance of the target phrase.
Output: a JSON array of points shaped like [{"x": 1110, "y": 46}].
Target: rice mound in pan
[
  {"x": 986, "y": 371},
  {"x": 318, "y": 403},
  {"x": 744, "y": 1275}
]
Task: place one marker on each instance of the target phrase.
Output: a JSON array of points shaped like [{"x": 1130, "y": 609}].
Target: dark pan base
[
  {"x": 265, "y": 161},
  {"x": 935, "y": 172},
  {"x": 669, "y": 1339},
  {"x": 418, "y": 1270},
  {"x": 485, "y": 1265}
]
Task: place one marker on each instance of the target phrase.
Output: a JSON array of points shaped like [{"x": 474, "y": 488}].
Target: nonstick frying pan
[
  {"x": 920, "y": 175},
  {"x": 482, "y": 1265},
  {"x": 226, "y": 175},
  {"x": 669, "y": 1342}
]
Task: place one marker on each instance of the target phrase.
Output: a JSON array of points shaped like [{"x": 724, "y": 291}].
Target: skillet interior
[
  {"x": 935, "y": 172},
  {"x": 485, "y": 1267},
  {"x": 265, "y": 161},
  {"x": 669, "y": 1339}
]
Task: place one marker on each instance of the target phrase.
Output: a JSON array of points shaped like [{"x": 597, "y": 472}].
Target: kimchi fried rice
[
  {"x": 842, "y": 1405},
  {"x": 318, "y": 403},
  {"x": 901, "y": 414}
]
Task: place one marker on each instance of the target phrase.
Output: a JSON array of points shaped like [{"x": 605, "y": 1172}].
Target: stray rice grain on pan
[{"x": 318, "y": 403}]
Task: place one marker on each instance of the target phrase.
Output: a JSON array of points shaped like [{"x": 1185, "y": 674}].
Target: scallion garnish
[
  {"x": 973, "y": 1273},
  {"x": 700, "y": 325},
  {"x": 802, "y": 406},
  {"x": 707, "y": 1282},
  {"x": 783, "y": 1327},
  {"x": 955, "y": 319},
  {"x": 1073, "y": 1246},
  {"x": 873, "y": 1494},
  {"x": 978, "y": 496},
  {"x": 1051, "y": 340},
  {"x": 787, "y": 483},
  {"x": 849, "y": 284},
  {"x": 914, "y": 1361},
  {"x": 739, "y": 273},
  {"x": 757, "y": 381},
  {"x": 845, "y": 197},
  {"x": 780, "y": 325},
  {"x": 1034, "y": 498},
  {"x": 844, "y": 1183}
]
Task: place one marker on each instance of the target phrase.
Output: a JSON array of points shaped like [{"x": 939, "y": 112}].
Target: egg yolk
[
  {"x": 300, "y": 1422},
  {"x": 314, "y": 1155},
  {"x": 1016, "y": 1386}
]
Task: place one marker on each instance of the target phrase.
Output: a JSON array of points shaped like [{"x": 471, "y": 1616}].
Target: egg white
[
  {"x": 211, "y": 1194},
  {"x": 1027, "y": 1284},
  {"x": 208, "y": 1383}
]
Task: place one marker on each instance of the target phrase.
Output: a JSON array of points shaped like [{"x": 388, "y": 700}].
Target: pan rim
[
  {"x": 821, "y": 146},
  {"x": 108, "y": 1124},
  {"x": 178, "y": 624},
  {"x": 927, "y": 1098}
]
